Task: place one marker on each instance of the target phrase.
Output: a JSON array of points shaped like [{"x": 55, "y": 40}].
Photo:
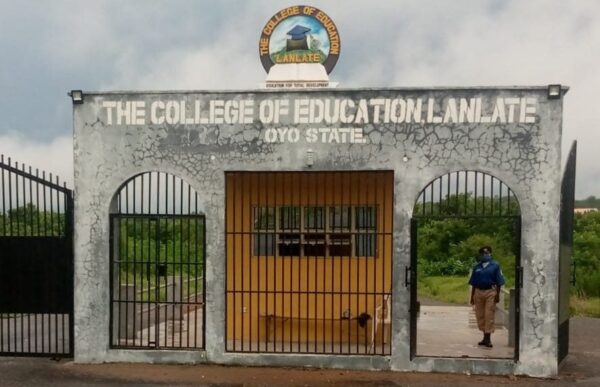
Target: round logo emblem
[{"x": 299, "y": 34}]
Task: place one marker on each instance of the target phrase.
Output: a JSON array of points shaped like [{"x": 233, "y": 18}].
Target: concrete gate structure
[{"x": 511, "y": 133}]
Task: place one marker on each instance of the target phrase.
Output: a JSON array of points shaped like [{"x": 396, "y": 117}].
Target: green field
[{"x": 455, "y": 290}]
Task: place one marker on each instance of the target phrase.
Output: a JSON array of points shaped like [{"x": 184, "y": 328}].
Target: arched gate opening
[
  {"x": 157, "y": 254},
  {"x": 453, "y": 217}
]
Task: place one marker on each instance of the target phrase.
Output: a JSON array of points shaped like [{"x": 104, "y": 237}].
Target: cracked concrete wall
[{"x": 118, "y": 135}]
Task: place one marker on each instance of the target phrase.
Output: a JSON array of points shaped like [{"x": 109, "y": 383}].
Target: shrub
[{"x": 588, "y": 284}]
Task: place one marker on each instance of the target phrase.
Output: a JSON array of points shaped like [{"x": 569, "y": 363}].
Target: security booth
[{"x": 285, "y": 227}]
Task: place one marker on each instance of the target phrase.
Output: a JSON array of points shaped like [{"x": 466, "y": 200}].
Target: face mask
[{"x": 485, "y": 258}]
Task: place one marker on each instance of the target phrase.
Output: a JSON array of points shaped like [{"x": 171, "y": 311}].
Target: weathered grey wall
[{"x": 526, "y": 156}]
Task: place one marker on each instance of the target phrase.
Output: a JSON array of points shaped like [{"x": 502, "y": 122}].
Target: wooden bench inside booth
[
  {"x": 361, "y": 328},
  {"x": 317, "y": 326}
]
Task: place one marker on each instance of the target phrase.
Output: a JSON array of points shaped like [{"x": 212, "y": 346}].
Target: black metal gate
[
  {"x": 471, "y": 198},
  {"x": 567, "y": 206},
  {"x": 157, "y": 277},
  {"x": 36, "y": 263}
]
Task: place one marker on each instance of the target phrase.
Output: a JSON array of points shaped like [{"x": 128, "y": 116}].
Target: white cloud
[{"x": 54, "y": 157}]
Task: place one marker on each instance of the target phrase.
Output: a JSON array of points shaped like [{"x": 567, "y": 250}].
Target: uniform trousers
[{"x": 485, "y": 309}]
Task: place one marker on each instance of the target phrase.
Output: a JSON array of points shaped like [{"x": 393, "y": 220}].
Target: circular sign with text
[{"x": 299, "y": 34}]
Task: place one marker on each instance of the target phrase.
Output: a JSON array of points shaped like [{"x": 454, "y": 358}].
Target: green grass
[
  {"x": 589, "y": 307},
  {"x": 451, "y": 289},
  {"x": 455, "y": 290}
]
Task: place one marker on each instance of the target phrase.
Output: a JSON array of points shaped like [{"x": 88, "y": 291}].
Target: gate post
[{"x": 512, "y": 317}]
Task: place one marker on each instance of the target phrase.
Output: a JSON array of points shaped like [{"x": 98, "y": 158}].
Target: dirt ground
[{"x": 581, "y": 368}]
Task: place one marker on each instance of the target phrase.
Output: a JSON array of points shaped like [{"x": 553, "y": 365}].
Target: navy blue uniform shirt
[{"x": 486, "y": 277}]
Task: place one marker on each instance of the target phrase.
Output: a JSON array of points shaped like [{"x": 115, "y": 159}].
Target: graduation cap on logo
[
  {"x": 298, "y": 39},
  {"x": 298, "y": 32}
]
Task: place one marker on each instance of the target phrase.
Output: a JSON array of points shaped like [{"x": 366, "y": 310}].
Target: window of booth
[{"x": 315, "y": 231}]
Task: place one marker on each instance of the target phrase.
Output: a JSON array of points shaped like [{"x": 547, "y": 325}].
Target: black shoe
[{"x": 486, "y": 342}]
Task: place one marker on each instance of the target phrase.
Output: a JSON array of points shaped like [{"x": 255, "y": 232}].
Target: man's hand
[
  {"x": 497, "y": 297},
  {"x": 472, "y": 301}
]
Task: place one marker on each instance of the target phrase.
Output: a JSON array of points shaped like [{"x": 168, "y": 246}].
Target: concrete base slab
[{"x": 447, "y": 331}]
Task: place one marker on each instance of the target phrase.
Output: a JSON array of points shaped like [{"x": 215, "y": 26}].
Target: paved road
[{"x": 581, "y": 369}]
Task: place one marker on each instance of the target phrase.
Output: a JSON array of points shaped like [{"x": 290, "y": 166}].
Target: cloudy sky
[{"x": 50, "y": 47}]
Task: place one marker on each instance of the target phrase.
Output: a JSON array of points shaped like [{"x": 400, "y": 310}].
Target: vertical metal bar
[
  {"x": 298, "y": 260},
  {"x": 440, "y": 195},
  {"x": 322, "y": 294},
  {"x": 55, "y": 271},
  {"x": 192, "y": 301},
  {"x": 475, "y": 193},
  {"x": 118, "y": 287},
  {"x": 170, "y": 264},
  {"x": 276, "y": 258},
  {"x": 267, "y": 223},
  {"x": 465, "y": 210},
  {"x": 44, "y": 327},
  {"x": 234, "y": 258},
  {"x": 189, "y": 270},
  {"x": 4, "y": 233},
  {"x": 457, "y": 192},
  {"x": 29, "y": 231},
  {"x": 124, "y": 258},
  {"x": 243, "y": 193},
  {"x": 37, "y": 203},
  {"x": 135, "y": 304},
  {"x": 501, "y": 189},
  {"x": 230, "y": 228},
  {"x": 65, "y": 236},
  {"x": 430, "y": 187},
  {"x": 483, "y": 193},
  {"x": 492, "y": 195},
  {"x": 111, "y": 278},
  {"x": 382, "y": 212},
  {"x": 157, "y": 227},
  {"x": 448, "y": 193},
  {"x": 203, "y": 272},
  {"x": 10, "y": 200},
  {"x": 4, "y": 212},
  {"x": 332, "y": 268},
  {"x": 70, "y": 218},
  {"x": 323, "y": 209},
  {"x": 22, "y": 232},
  {"x": 179, "y": 303},
  {"x": 346, "y": 199},
  {"x": 376, "y": 291},
  {"x": 423, "y": 203}
]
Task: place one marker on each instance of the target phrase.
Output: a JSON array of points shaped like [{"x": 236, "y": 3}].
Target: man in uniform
[{"x": 486, "y": 281}]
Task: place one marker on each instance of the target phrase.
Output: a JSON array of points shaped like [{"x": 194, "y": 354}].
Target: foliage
[
  {"x": 174, "y": 243},
  {"x": 586, "y": 254},
  {"x": 467, "y": 204},
  {"x": 28, "y": 220},
  {"x": 450, "y": 246}
]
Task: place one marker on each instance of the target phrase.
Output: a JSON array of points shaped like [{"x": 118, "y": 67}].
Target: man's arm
[
  {"x": 472, "y": 301},
  {"x": 497, "y": 298}
]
